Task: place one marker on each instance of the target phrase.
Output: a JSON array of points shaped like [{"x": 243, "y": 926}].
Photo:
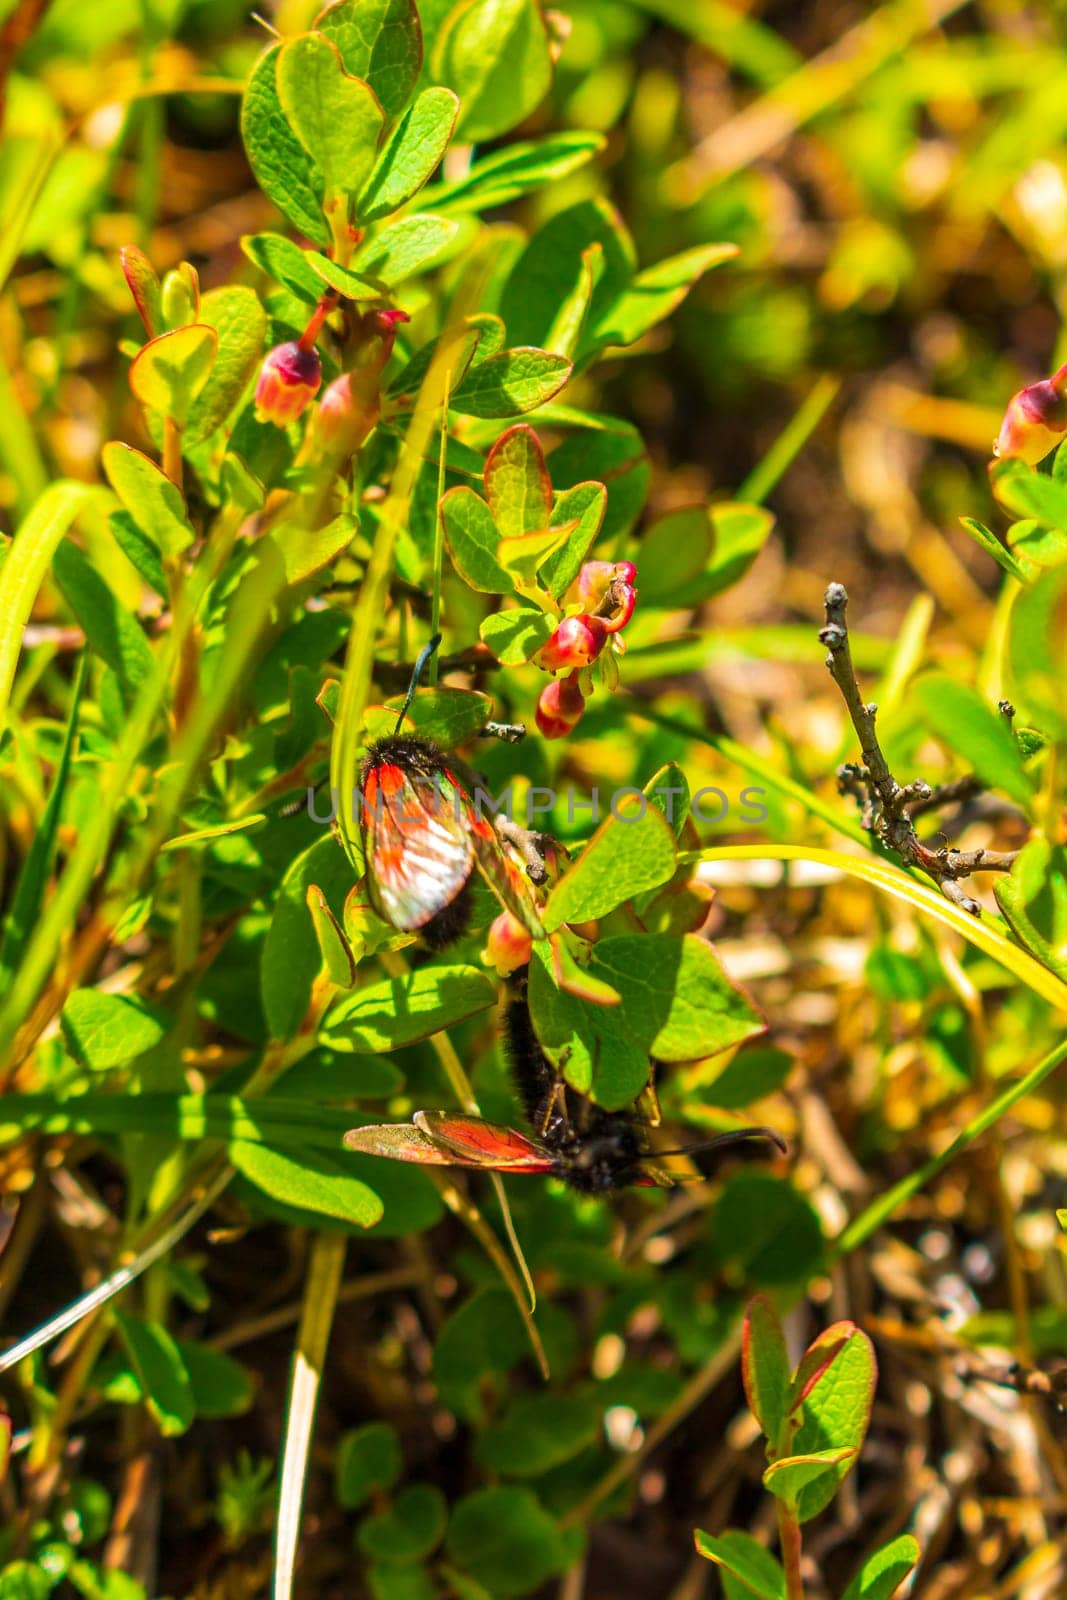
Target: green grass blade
[{"x": 29, "y": 891}]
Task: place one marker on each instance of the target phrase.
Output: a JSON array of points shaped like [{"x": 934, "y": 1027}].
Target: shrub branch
[{"x": 889, "y": 808}]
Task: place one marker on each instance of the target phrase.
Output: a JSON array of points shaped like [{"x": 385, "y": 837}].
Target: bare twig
[{"x": 889, "y": 807}]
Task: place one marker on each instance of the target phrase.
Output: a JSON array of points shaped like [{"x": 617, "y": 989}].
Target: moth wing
[
  {"x": 398, "y": 1141},
  {"x": 506, "y": 878},
  {"x": 418, "y": 851},
  {"x": 473, "y": 1142}
]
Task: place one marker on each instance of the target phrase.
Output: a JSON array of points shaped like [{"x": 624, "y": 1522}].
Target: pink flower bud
[
  {"x": 560, "y": 707},
  {"x": 348, "y": 411},
  {"x": 1035, "y": 421},
  {"x": 594, "y": 580},
  {"x": 288, "y": 381},
  {"x": 508, "y": 945},
  {"x": 576, "y": 642}
]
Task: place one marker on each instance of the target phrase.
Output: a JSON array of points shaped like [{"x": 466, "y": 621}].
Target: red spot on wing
[{"x": 476, "y": 1143}]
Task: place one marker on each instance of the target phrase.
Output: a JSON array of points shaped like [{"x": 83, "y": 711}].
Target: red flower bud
[
  {"x": 560, "y": 707},
  {"x": 623, "y": 596},
  {"x": 288, "y": 381},
  {"x": 508, "y": 945},
  {"x": 1035, "y": 421},
  {"x": 576, "y": 642}
]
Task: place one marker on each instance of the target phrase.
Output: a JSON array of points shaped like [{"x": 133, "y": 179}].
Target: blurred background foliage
[{"x": 896, "y": 179}]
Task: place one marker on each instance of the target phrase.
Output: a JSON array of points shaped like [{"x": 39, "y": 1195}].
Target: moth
[
  {"x": 424, "y": 835},
  {"x": 594, "y": 1151}
]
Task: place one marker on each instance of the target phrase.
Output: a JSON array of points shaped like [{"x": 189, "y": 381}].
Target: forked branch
[{"x": 889, "y": 808}]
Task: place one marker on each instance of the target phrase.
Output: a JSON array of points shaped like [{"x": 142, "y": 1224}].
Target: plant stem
[{"x": 789, "y": 1534}]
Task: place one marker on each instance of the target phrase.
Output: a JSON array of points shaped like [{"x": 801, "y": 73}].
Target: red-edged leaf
[
  {"x": 765, "y": 1368},
  {"x": 517, "y": 485}
]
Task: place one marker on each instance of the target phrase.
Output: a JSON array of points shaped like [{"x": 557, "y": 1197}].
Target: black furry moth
[{"x": 592, "y": 1150}]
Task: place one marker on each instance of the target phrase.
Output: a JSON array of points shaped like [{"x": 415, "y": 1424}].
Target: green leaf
[
  {"x": 25, "y": 1580},
  {"x": 627, "y": 855},
  {"x": 449, "y": 717},
  {"x": 748, "y": 1076},
  {"x": 656, "y": 292},
  {"x": 505, "y": 175},
  {"x": 834, "y": 1416},
  {"x": 147, "y": 494},
  {"x": 1046, "y": 1329},
  {"x": 538, "y": 1432},
  {"x": 568, "y": 325},
  {"x": 285, "y": 262},
  {"x": 112, "y": 631},
  {"x": 987, "y": 539},
  {"x": 139, "y": 551},
  {"x": 473, "y": 539},
  {"x": 611, "y": 452},
  {"x": 168, "y": 373},
  {"x": 1037, "y": 650},
  {"x": 408, "y": 1583},
  {"x": 883, "y": 1572},
  {"x": 160, "y": 1371},
  {"x": 409, "y": 1530},
  {"x": 282, "y": 167},
  {"x": 741, "y": 531},
  {"x": 414, "y": 150},
  {"x": 495, "y": 54},
  {"x": 107, "y": 1030},
  {"x": 381, "y": 41},
  {"x": 965, "y": 724},
  {"x": 368, "y": 1461},
  {"x": 765, "y": 1368},
  {"x": 517, "y": 486},
  {"x": 674, "y": 1002},
  {"x": 1033, "y": 898},
  {"x": 306, "y": 550},
  {"x": 398, "y": 1011},
  {"x": 409, "y": 380},
  {"x": 745, "y": 1562},
  {"x": 510, "y": 383},
  {"x": 314, "y": 1180},
  {"x": 768, "y": 1234},
  {"x": 221, "y": 1387},
  {"x": 411, "y": 245},
  {"x": 547, "y": 270},
  {"x": 291, "y": 959},
  {"x": 674, "y": 551},
  {"x": 506, "y": 1540},
  {"x": 676, "y": 995},
  {"x": 241, "y": 325},
  {"x": 787, "y": 1478},
  {"x": 1027, "y": 493},
  {"x": 584, "y": 505},
  {"x": 350, "y": 284},
  {"x": 144, "y": 286},
  {"x": 515, "y": 635},
  {"x": 338, "y": 961},
  {"x": 336, "y": 117},
  {"x": 484, "y": 1336}
]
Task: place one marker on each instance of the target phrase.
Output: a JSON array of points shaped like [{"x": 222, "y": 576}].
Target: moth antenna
[
  {"x": 735, "y": 1136},
  {"x": 420, "y": 667}
]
